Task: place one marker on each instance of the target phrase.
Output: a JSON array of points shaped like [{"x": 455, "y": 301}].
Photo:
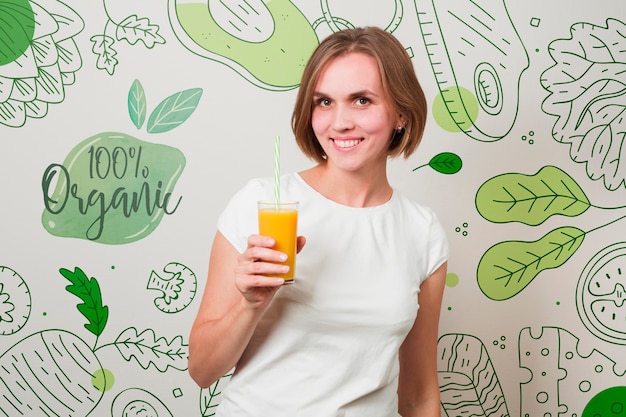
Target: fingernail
[{"x": 283, "y": 257}]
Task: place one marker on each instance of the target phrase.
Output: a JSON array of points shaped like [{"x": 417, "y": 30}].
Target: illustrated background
[{"x": 552, "y": 340}]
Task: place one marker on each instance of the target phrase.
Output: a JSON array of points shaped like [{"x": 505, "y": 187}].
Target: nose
[{"x": 342, "y": 118}]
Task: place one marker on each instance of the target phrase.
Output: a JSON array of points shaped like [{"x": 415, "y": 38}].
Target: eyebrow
[{"x": 360, "y": 93}]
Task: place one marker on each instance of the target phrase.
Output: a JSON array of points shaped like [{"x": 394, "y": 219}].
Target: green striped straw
[{"x": 277, "y": 170}]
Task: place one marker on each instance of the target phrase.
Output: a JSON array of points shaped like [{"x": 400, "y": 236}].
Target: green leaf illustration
[
  {"x": 148, "y": 350},
  {"x": 135, "y": 29},
  {"x": 446, "y": 163},
  {"x": 88, "y": 290},
  {"x": 530, "y": 199},
  {"x": 137, "y": 104},
  {"x": 209, "y": 397},
  {"x": 508, "y": 267},
  {"x": 174, "y": 110}
]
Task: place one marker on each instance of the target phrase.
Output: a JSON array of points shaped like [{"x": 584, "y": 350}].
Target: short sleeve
[
  {"x": 437, "y": 248},
  {"x": 239, "y": 218}
]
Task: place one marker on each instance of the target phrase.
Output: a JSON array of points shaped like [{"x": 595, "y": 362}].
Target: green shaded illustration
[
  {"x": 55, "y": 372},
  {"x": 113, "y": 188},
  {"x": 267, "y": 43},
  {"x": 465, "y": 56},
  {"x": 177, "y": 285},
  {"x": 444, "y": 163},
  {"x": 608, "y": 403},
  {"x": 530, "y": 199},
  {"x": 562, "y": 377},
  {"x": 506, "y": 268},
  {"x": 39, "y": 57},
  {"x": 586, "y": 95},
  {"x": 468, "y": 381},
  {"x": 15, "y": 301},
  {"x": 601, "y": 292},
  {"x": 136, "y": 402},
  {"x": 132, "y": 29},
  {"x": 18, "y": 25}
]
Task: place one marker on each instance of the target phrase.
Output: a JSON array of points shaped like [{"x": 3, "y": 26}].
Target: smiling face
[{"x": 352, "y": 117}]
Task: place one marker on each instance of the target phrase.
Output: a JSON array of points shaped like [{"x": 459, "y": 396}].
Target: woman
[{"x": 345, "y": 339}]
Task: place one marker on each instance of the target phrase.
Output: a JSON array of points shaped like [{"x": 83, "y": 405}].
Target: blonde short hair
[{"x": 398, "y": 79}]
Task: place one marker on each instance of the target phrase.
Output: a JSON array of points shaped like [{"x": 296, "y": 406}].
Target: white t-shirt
[{"x": 328, "y": 344}]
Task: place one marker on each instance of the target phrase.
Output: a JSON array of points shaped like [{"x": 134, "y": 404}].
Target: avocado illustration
[{"x": 266, "y": 42}]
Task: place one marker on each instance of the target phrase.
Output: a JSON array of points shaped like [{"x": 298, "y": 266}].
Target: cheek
[{"x": 320, "y": 121}]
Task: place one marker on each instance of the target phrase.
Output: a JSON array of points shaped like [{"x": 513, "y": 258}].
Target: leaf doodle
[
  {"x": 148, "y": 350},
  {"x": 103, "y": 48},
  {"x": 444, "y": 163},
  {"x": 134, "y": 29},
  {"x": 210, "y": 396},
  {"x": 530, "y": 199},
  {"x": 174, "y": 110},
  {"x": 88, "y": 290},
  {"x": 137, "y": 104},
  {"x": 508, "y": 267}
]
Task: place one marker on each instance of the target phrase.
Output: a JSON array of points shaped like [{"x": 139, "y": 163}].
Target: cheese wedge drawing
[
  {"x": 266, "y": 42},
  {"x": 473, "y": 45}
]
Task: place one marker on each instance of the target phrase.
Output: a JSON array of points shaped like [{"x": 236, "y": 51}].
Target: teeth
[{"x": 347, "y": 143}]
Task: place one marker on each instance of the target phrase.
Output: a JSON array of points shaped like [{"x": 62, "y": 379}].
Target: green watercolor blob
[
  {"x": 452, "y": 280},
  {"x": 607, "y": 403},
  {"x": 112, "y": 188},
  {"x": 455, "y": 109},
  {"x": 103, "y": 380},
  {"x": 18, "y": 28}
]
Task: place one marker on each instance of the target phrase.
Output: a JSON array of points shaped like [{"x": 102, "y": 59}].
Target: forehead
[{"x": 354, "y": 70}]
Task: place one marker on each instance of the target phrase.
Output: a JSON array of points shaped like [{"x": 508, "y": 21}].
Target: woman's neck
[{"x": 353, "y": 189}]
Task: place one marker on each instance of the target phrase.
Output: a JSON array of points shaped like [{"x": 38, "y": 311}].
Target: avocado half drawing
[
  {"x": 473, "y": 45},
  {"x": 266, "y": 42}
]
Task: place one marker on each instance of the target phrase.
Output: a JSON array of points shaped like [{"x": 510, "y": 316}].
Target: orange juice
[{"x": 281, "y": 223}]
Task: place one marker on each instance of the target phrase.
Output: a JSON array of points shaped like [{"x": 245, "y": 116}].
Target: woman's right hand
[{"x": 255, "y": 265}]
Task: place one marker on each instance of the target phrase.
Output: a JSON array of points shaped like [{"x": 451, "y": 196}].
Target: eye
[
  {"x": 322, "y": 102},
  {"x": 362, "y": 101}
]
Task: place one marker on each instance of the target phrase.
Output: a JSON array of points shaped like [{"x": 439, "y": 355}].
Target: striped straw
[{"x": 277, "y": 170}]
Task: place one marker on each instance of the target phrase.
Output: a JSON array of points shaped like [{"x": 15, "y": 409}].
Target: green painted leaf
[
  {"x": 508, "y": 267},
  {"x": 18, "y": 27},
  {"x": 446, "y": 163},
  {"x": 88, "y": 290},
  {"x": 530, "y": 199},
  {"x": 174, "y": 110},
  {"x": 137, "y": 104}
]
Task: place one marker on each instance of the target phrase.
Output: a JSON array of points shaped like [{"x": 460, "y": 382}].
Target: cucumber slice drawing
[{"x": 601, "y": 292}]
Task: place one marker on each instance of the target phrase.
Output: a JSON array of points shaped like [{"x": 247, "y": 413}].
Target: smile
[{"x": 345, "y": 144}]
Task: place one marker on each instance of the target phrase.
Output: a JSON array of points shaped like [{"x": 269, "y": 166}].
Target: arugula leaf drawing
[
  {"x": 88, "y": 290},
  {"x": 134, "y": 29},
  {"x": 148, "y": 350}
]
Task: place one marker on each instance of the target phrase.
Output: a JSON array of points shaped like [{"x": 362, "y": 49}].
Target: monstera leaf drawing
[{"x": 587, "y": 86}]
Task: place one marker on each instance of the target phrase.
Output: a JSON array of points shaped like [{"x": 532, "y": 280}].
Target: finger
[
  {"x": 258, "y": 240},
  {"x": 300, "y": 242}
]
